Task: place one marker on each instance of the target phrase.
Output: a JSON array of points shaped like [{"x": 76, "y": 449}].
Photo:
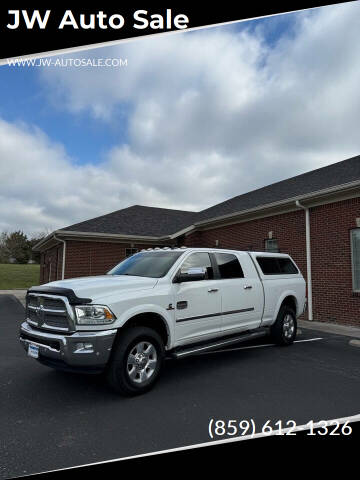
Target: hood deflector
[{"x": 64, "y": 292}]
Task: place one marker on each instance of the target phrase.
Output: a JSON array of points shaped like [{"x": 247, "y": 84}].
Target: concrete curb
[{"x": 345, "y": 330}]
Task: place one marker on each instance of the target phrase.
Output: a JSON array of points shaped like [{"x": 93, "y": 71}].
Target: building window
[
  {"x": 355, "y": 258},
  {"x": 271, "y": 245},
  {"x": 130, "y": 251}
]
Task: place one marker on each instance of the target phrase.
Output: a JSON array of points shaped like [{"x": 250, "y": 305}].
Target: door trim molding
[{"x": 198, "y": 317}]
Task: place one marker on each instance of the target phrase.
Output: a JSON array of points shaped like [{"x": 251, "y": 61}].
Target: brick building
[{"x": 314, "y": 216}]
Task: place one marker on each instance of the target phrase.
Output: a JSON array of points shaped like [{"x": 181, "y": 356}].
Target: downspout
[
  {"x": 308, "y": 259},
  {"x": 63, "y": 256}
]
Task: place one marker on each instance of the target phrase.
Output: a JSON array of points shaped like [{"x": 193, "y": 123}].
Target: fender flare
[
  {"x": 164, "y": 314},
  {"x": 284, "y": 295}
]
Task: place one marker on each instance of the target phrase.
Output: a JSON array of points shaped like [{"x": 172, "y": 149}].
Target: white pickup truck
[{"x": 158, "y": 303}]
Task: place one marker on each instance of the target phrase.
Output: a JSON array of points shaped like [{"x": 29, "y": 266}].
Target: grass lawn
[{"x": 18, "y": 276}]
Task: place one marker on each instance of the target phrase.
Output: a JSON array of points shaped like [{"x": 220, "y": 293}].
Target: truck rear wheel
[
  {"x": 136, "y": 362},
  {"x": 283, "y": 332}
]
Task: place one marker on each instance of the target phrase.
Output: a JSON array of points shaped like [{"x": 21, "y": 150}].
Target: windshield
[{"x": 147, "y": 264}]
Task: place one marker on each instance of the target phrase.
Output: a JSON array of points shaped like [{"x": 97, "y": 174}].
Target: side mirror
[{"x": 190, "y": 275}]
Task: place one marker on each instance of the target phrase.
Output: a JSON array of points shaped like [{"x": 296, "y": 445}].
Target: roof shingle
[
  {"x": 156, "y": 222},
  {"x": 137, "y": 220},
  {"x": 332, "y": 175}
]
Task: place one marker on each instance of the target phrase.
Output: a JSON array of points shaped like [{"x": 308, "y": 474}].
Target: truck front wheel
[
  {"x": 283, "y": 331},
  {"x": 136, "y": 362}
]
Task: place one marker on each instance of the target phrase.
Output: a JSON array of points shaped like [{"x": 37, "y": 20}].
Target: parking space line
[
  {"x": 308, "y": 340},
  {"x": 256, "y": 346}
]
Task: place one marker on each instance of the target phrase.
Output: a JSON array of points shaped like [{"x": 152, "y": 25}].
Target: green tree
[
  {"x": 4, "y": 258},
  {"x": 16, "y": 246}
]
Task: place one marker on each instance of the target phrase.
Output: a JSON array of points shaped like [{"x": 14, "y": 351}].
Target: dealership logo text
[{"x": 142, "y": 19}]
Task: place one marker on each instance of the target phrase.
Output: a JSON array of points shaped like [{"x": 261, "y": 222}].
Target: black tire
[
  {"x": 127, "y": 372},
  {"x": 279, "y": 331}
]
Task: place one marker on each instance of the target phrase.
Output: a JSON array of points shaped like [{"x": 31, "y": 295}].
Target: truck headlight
[{"x": 93, "y": 315}]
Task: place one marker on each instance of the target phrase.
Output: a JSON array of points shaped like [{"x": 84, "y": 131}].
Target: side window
[
  {"x": 355, "y": 257},
  {"x": 287, "y": 266},
  {"x": 200, "y": 259},
  {"x": 276, "y": 266},
  {"x": 268, "y": 265},
  {"x": 229, "y": 265}
]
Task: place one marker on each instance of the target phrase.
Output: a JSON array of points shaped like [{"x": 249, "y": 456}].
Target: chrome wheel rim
[
  {"x": 141, "y": 362},
  {"x": 288, "y": 326}
]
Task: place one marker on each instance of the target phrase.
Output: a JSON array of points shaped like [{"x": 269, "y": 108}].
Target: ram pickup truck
[{"x": 161, "y": 303}]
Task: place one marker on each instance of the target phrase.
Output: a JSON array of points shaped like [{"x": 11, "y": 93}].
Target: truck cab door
[
  {"x": 197, "y": 302},
  {"x": 241, "y": 292}
]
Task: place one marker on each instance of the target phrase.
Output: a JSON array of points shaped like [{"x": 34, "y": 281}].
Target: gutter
[
  {"x": 308, "y": 259},
  {"x": 182, "y": 232},
  {"x": 35, "y": 248},
  {"x": 63, "y": 256},
  {"x": 104, "y": 236}
]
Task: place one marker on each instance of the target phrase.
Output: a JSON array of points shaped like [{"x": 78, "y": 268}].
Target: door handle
[
  {"x": 247, "y": 287},
  {"x": 211, "y": 290}
]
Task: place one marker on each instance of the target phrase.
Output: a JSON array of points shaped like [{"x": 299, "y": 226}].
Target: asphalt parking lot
[{"x": 51, "y": 420}]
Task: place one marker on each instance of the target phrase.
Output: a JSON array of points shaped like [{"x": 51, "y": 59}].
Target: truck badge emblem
[{"x": 40, "y": 313}]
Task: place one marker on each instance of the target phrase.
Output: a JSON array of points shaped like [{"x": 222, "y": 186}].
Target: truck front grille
[
  {"x": 51, "y": 303},
  {"x": 47, "y": 312}
]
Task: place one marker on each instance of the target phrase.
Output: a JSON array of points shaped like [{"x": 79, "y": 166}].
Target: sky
[{"x": 194, "y": 118}]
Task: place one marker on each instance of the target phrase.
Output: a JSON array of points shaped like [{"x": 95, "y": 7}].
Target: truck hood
[{"x": 104, "y": 285}]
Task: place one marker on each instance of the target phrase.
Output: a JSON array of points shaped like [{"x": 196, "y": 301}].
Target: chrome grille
[
  {"x": 50, "y": 303},
  {"x": 48, "y": 312}
]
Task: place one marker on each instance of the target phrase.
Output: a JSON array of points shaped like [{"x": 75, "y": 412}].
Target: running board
[{"x": 192, "y": 349}]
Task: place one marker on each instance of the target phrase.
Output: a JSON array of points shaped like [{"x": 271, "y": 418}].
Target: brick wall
[
  {"x": 94, "y": 258},
  {"x": 83, "y": 258},
  {"x": 334, "y": 300},
  {"x": 50, "y": 264}
]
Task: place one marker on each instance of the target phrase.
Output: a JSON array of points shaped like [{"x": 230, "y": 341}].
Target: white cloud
[
  {"x": 42, "y": 189},
  {"x": 211, "y": 114}
]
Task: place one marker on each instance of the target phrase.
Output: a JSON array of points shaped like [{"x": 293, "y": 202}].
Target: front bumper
[{"x": 65, "y": 352}]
